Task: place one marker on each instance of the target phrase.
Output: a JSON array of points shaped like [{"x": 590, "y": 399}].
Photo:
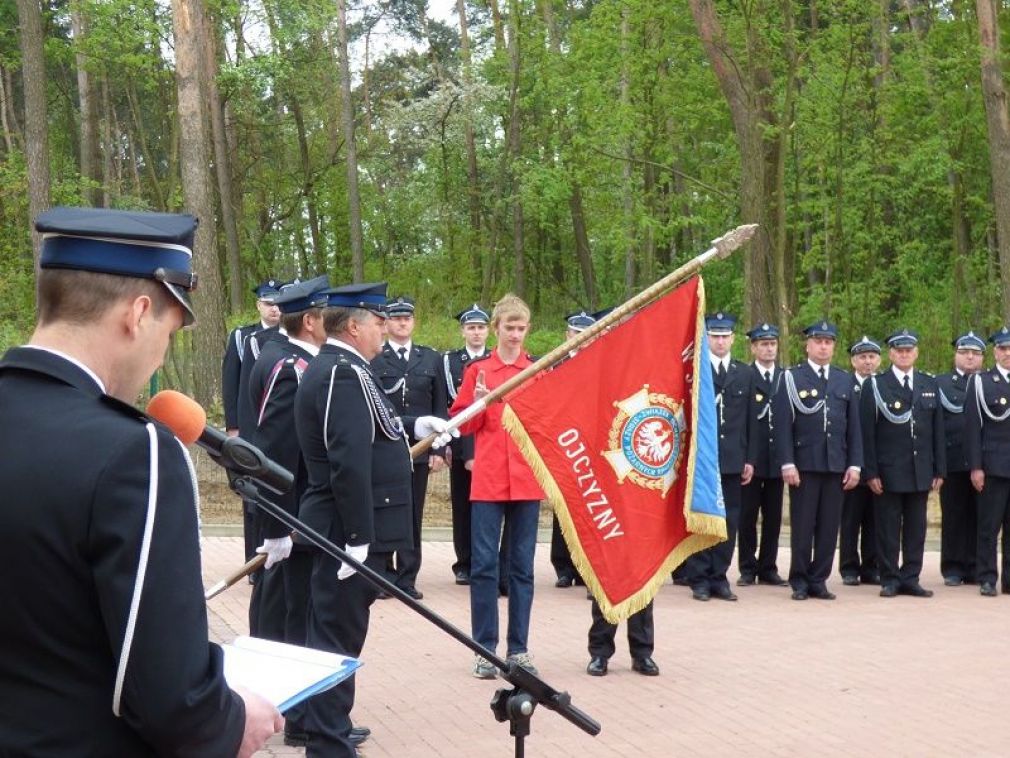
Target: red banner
[{"x": 612, "y": 436}]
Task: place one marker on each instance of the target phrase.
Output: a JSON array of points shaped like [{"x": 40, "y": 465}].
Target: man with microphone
[{"x": 105, "y": 628}]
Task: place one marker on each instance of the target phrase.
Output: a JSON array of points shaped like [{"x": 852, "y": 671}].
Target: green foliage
[{"x": 614, "y": 98}]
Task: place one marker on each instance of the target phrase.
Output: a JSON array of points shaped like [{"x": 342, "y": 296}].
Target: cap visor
[{"x": 182, "y": 296}]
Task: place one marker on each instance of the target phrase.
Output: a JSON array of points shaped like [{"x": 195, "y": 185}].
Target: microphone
[{"x": 188, "y": 421}]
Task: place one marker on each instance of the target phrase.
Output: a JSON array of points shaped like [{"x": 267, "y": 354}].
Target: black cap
[
  {"x": 267, "y": 290},
  {"x": 864, "y": 345},
  {"x": 137, "y": 244},
  {"x": 821, "y": 329},
  {"x": 902, "y": 338},
  {"x": 473, "y": 315},
  {"x": 370, "y": 295},
  {"x": 763, "y": 332},
  {"x": 579, "y": 322},
  {"x": 400, "y": 306},
  {"x": 296, "y": 298}
]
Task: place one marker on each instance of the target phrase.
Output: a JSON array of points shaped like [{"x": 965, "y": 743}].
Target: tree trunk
[
  {"x": 347, "y": 116},
  {"x": 582, "y": 250},
  {"x": 998, "y": 124},
  {"x": 748, "y": 92},
  {"x": 188, "y": 26},
  {"x": 472, "y": 186},
  {"x": 627, "y": 200},
  {"x": 86, "y": 97},
  {"x": 222, "y": 167},
  {"x": 515, "y": 152},
  {"x": 33, "y": 80},
  {"x": 4, "y": 121}
]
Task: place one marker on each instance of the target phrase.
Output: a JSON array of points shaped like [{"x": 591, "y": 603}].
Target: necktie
[
  {"x": 768, "y": 377},
  {"x": 402, "y": 352},
  {"x": 905, "y": 382},
  {"x": 722, "y": 370},
  {"x": 822, "y": 373}
]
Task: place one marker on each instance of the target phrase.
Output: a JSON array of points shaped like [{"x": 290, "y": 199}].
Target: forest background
[{"x": 572, "y": 151}]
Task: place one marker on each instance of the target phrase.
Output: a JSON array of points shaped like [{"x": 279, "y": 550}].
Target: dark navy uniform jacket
[
  {"x": 416, "y": 387},
  {"x": 766, "y": 464},
  {"x": 359, "y": 489},
  {"x": 987, "y": 441},
  {"x": 738, "y": 440},
  {"x": 908, "y": 456},
  {"x": 231, "y": 370},
  {"x": 272, "y": 387},
  {"x": 828, "y": 441},
  {"x": 254, "y": 344},
  {"x": 454, "y": 363},
  {"x": 954, "y": 386},
  {"x": 78, "y": 472}
]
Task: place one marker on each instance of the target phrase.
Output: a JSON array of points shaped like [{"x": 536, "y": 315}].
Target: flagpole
[{"x": 721, "y": 248}]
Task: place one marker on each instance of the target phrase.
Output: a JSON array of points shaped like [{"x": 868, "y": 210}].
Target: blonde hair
[{"x": 509, "y": 308}]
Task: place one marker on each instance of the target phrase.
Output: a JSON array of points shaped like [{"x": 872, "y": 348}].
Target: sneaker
[
  {"x": 483, "y": 668},
  {"x": 523, "y": 659}
]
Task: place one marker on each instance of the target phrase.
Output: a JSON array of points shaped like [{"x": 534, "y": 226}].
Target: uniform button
[
  {"x": 387, "y": 499},
  {"x": 829, "y": 434},
  {"x": 829, "y": 423}
]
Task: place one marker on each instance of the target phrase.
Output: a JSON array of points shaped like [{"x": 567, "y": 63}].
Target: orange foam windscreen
[{"x": 180, "y": 413}]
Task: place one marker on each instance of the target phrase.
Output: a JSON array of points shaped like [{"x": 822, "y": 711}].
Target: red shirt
[{"x": 499, "y": 470}]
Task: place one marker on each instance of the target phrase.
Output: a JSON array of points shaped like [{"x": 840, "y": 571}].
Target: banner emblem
[{"x": 646, "y": 440}]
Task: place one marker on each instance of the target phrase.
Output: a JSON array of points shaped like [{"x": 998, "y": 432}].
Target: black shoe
[
  {"x": 413, "y": 592},
  {"x": 916, "y": 590},
  {"x": 952, "y": 581},
  {"x": 296, "y": 739},
  {"x": 888, "y": 590},
  {"x": 850, "y": 581},
  {"x": 565, "y": 581},
  {"x": 774, "y": 579},
  {"x": 462, "y": 577},
  {"x": 382, "y": 595},
  {"x": 597, "y": 666},
  {"x": 821, "y": 593},
  {"x": 359, "y": 734},
  {"x": 724, "y": 593},
  {"x": 800, "y": 595},
  {"x": 701, "y": 593},
  {"x": 645, "y": 666},
  {"x": 1005, "y": 589},
  {"x": 988, "y": 589},
  {"x": 579, "y": 582},
  {"x": 870, "y": 579},
  {"x": 679, "y": 580},
  {"x": 745, "y": 580}
]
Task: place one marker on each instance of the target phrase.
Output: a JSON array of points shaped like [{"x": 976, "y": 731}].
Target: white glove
[
  {"x": 276, "y": 549},
  {"x": 428, "y": 425},
  {"x": 358, "y": 553}
]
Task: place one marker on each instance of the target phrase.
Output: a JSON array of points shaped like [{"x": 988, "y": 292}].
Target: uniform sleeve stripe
[{"x": 138, "y": 586}]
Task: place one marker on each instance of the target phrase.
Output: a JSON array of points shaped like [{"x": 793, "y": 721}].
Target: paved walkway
[{"x": 766, "y": 676}]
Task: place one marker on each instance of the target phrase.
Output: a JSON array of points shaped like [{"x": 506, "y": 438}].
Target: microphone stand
[{"x": 514, "y": 705}]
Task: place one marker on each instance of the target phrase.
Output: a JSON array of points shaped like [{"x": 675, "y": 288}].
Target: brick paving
[{"x": 766, "y": 676}]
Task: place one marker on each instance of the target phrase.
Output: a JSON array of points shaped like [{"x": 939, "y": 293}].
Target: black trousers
[
  {"x": 338, "y": 622},
  {"x": 641, "y": 634},
  {"x": 761, "y": 497},
  {"x": 858, "y": 539},
  {"x": 708, "y": 568},
  {"x": 815, "y": 511},
  {"x": 993, "y": 515},
  {"x": 297, "y": 582},
  {"x": 959, "y": 528},
  {"x": 561, "y": 558},
  {"x": 408, "y": 562},
  {"x": 459, "y": 493},
  {"x": 901, "y": 523},
  {"x": 267, "y": 610},
  {"x": 250, "y": 535}
]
